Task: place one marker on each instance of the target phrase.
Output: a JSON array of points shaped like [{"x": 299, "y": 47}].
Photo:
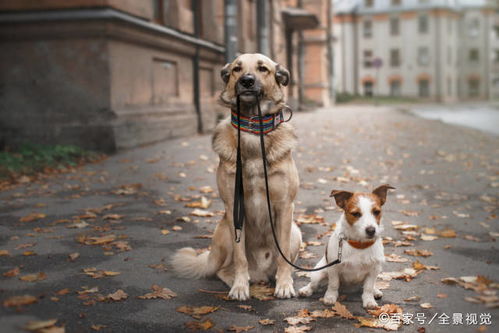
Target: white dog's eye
[
  {"x": 263, "y": 69},
  {"x": 356, "y": 214},
  {"x": 376, "y": 212}
]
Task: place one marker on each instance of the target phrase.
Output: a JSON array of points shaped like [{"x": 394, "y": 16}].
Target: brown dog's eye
[
  {"x": 356, "y": 214},
  {"x": 263, "y": 69},
  {"x": 376, "y": 212},
  {"x": 236, "y": 69}
]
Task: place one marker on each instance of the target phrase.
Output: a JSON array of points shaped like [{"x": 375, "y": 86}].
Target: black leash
[{"x": 239, "y": 194}]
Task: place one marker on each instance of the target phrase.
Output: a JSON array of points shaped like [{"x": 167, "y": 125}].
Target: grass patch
[{"x": 31, "y": 159}]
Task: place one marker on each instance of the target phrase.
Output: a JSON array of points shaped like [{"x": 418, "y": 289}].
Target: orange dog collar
[{"x": 360, "y": 245}]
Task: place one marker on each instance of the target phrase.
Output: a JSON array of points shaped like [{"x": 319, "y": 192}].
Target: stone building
[
  {"x": 114, "y": 74},
  {"x": 433, "y": 49}
]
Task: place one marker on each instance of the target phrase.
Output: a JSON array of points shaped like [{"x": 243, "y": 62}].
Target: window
[
  {"x": 474, "y": 55},
  {"x": 496, "y": 29},
  {"x": 496, "y": 55},
  {"x": 473, "y": 88},
  {"x": 423, "y": 56},
  {"x": 474, "y": 28},
  {"x": 394, "y": 26},
  {"x": 368, "y": 54},
  {"x": 395, "y": 57},
  {"x": 395, "y": 88},
  {"x": 369, "y": 3},
  {"x": 368, "y": 29},
  {"x": 368, "y": 88},
  {"x": 423, "y": 24},
  {"x": 424, "y": 88},
  {"x": 396, "y": 2}
]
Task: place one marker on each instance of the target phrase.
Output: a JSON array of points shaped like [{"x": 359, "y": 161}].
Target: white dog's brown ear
[
  {"x": 282, "y": 75},
  {"x": 225, "y": 73},
  {"x": 341, "y": 197},
  {"x": 381, "y": 192}
]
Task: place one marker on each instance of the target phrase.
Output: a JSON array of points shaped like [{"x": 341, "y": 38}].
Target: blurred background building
[
  {"x": 442, "y": 50},
  {"x": 112, "y": 74}
]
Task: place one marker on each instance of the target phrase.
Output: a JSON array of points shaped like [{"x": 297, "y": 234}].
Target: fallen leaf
[
  {"x": 33, "y": 277},
  {"x": 246, "y": 307},
  {"x": 205, "y": 189},
  {"x": 203, "y": 203},
  {"x": 418, "y": 253},
  {"x": 426, "y": 305},
  {"x": 5, "y": 253},
  {"x": 441, "y": 295},
  {"x": 73, "y": 256},
  {"x": 165, "y": 231},
  {"x": 97, "y": 327},
  {"x": 395, "y": 258},
  {"x": 197, "y": 311},
  {"x": 239, "y": 329},
  {"x": 13, "y": 272},
  {"x": 117, "y": 296},
  {"x": 36, "y": 325},
  {"x": 16, "y": 301},
  {"x": 386, "y": 308},
  {"x": 412, "y": 299},
  {"x": 418, "y": 266},
  {"x": 309, "y": 219},
  {"x": 295, "y": 320},
  {"x": 342, "y": 311},
  {"x": 202, "y": 213},
  {"x": 29, "y": 253},
  {"x": 267, "y": 322},
  {"x": 159, "y": 292},
  {"x": 200, "y": 325},
  {"x": 426, "y": 237},
  {"x": 32, "y": 217},
  {"x": 112, "y": 217},
  {"x": 448, "y": 233},
  {"x": 261, "y": 292},
  {"x": 297, "y": 329},
  {"x": 62, "y": 292},
  {"x": 24, "y": 246}
]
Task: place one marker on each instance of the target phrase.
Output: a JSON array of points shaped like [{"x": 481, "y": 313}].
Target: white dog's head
[{"x": 362, "y": 212}]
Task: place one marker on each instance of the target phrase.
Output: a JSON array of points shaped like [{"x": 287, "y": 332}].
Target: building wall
[{"x": 448, "y": 40}]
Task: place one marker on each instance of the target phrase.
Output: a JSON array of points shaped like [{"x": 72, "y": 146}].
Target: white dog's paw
[
  {"x": 368, "y": 302},
  {"x": 330, "y": 297},
  {"x": 306, "y": 291},
  {"x": 240, "y": 292},
  {"x": 284, "y": 289},
  {"x": 378, "y": 294}
]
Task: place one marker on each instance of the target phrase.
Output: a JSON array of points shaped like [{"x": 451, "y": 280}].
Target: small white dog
[{"x": 362, "y": 249}]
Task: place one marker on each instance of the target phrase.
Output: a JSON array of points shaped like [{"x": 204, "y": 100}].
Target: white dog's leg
[
  {"x": 240, "y": 287},
  {"x": 331, "y": 294},
  {"x": 315, "y": 279},
  {"x": 368, "y": 293}
]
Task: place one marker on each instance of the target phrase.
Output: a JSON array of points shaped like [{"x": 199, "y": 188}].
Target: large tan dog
[{"x": 255, "y": 257}]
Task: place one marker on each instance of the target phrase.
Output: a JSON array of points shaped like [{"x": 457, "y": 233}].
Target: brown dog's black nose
[
  {"x": 247, "y": 80},
  {"x": 370, "y": 231}
]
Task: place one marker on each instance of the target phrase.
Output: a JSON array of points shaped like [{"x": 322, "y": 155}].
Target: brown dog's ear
[
  {"x": 225, "y": 73},
  {"x": 341, "y": 197},
  {"x": 282, "y": 75},
  {"x": 381, "y": 192}
]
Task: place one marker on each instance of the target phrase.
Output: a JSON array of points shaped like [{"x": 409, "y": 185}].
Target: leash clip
[{"x": 238, "y": 235}]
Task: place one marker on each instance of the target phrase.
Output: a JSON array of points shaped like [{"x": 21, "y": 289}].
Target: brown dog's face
[{"x": 250, "y": 75}]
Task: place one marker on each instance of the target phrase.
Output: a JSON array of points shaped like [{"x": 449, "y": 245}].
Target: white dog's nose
[{"x": 370, "y": 231}]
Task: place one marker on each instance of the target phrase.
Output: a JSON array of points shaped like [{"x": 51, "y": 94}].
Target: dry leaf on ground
[
  {"x": 36, "y": 325},
  {"x": 239, "y": 329},
  {"x": 118, "y": 295},
  {"x": 17, "y": 301},
  {"x": 159, "y": 292},
  {"x": 33, "y": 277},
  {"x": 266, "y": 322},
  {"x": 200, "y": 325},
  {"x": 32, "y": 217},
  {"x": 197, "y": 311}
]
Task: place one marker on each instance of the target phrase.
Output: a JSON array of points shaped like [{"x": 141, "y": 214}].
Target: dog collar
[
  {"x": 252, "y": 124},
  {"x": 360, "y": 245}
]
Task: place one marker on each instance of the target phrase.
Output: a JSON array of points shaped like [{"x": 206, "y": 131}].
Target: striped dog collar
[{"x": 252, "y": 124}]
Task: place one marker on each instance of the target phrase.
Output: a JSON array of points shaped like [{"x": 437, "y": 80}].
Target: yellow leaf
[
  {"x": 39, "y": 324},
  {"x": 32, "y": 217}
]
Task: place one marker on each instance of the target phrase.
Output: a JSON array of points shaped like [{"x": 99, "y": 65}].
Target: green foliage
[{"x": 33, "y": 158}]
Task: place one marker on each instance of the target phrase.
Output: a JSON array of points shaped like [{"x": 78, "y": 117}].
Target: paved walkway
[{"x": 127, "y": 215}]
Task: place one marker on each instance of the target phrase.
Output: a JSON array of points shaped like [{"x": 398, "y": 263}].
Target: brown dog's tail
[{"x": 186, "y": 263}]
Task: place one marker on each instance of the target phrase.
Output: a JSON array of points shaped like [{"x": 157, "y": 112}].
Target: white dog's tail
[{"x": 186, "y": 263}]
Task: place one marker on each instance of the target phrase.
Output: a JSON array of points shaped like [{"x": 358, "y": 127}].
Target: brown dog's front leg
[
  {"x": 284, "y": 280},
  {"x": 240, "y": 288}
]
